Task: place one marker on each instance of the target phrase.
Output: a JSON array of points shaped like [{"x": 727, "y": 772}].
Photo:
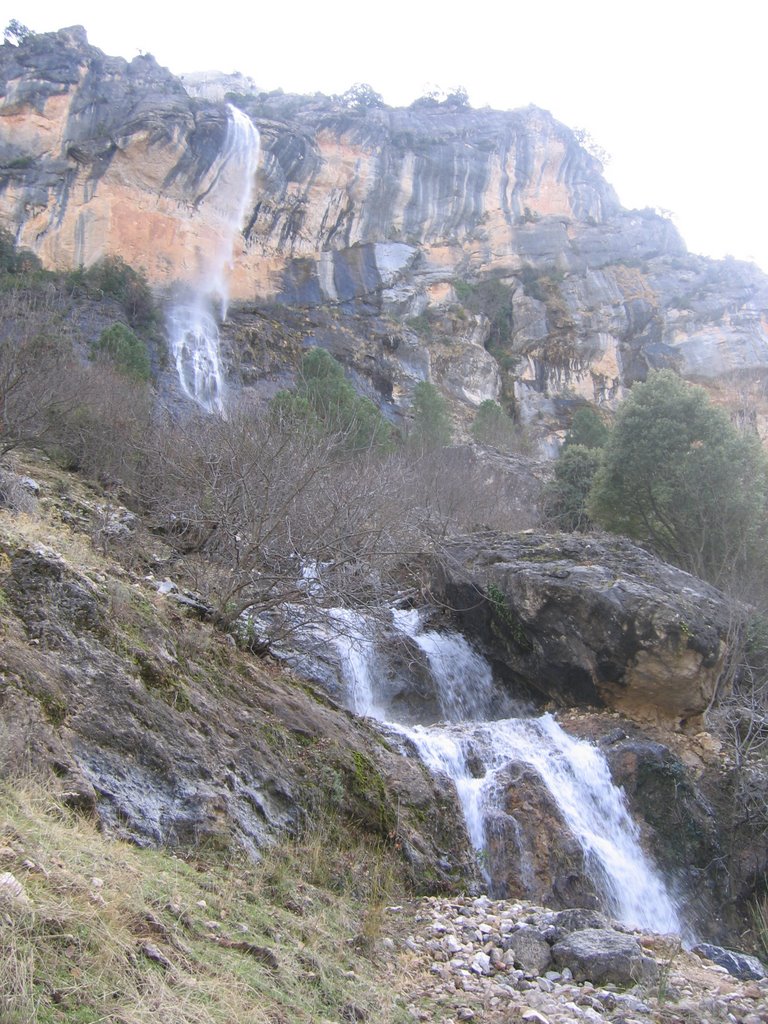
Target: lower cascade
[
  {"x": 193, "y": 329},
  {"x": 480, "y": 734}
]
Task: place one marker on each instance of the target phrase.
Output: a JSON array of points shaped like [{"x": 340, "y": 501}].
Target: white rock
[
  {"x": 481, "y": 963},
  {"x": 534, "y": 1017},
  {"x": 11, "y": 889}
]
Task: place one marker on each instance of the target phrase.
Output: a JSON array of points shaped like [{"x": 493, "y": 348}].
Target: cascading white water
[
  {"x": 574, "y": 772},
  {"x": 193, "y": 329},
  {"x": 354, "y": 642}
]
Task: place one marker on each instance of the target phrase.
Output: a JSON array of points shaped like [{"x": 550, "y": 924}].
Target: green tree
[
  {"x": 361, "y": 96},
  {"x": 325, "y": 399},
  {"x": 566, "y": 497},
  {"x": 493, "y": 426},
  {"x": 112, "y": 276},
  {"x": 431, "y": 425},
  {"x": 679, "y": 476},
  {"x": 588, "y": 428},
  {"x": 14, "y": 260},
  {"x": 125, "y": 351}
]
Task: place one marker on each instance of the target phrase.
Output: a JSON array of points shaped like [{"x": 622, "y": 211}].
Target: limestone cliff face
[
  {"x": 381, "y": 217},
  {"x": 101, "y": 157}
]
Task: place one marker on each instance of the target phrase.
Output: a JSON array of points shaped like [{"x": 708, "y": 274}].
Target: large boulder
[
  {"x": 531, "y": 949},
  {"x": 587, "y": 620},
  {"x": 603, "y": 956},
  {"x": 531, "y": 852}
]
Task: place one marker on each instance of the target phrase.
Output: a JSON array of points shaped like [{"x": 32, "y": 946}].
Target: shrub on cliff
[
  {"x": 120, "y": 346},
  {"x": 325, "y": 400},
  {"x": 588, "y": 428},
  {"x": 493, "y": 426},
  {"x": 567, "y": 495},
  {"x": 679, "y": 476},
  {"x": 13, "y": 260},
  {"x": 431, "y": 426},
  {"x": 361, "y": 96},
  {"x": 112, "y": 276}
]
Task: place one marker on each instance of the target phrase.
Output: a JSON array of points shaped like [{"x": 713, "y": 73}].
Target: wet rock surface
[
  {"x": 740, "y": 965},
  {"x": 485, "y": 960}
]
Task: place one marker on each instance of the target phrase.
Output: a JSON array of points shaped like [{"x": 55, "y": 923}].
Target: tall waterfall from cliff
[
  {"x": 193, "y": 324},
  {"x": 481, "y": 736}
]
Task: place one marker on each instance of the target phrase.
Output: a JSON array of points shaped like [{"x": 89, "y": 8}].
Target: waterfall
[
  {"x": 192, "y": 323},
  {"x": 481, "y": 728}
]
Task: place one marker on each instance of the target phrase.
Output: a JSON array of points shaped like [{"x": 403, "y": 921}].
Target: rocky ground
[{"x": 501, "y": 961}]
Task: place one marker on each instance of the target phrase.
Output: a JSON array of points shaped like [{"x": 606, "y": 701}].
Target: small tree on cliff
[
  {"x": 493, "y": 426},
  {"x": 326, "y": 400},
  {"x": 16, "y": 33},
  {"x": 678, "y": 475},
  {"x": 119, "y": 346},
  {"x": 431, "y": 426},
  {"x": 567, "y": 495},
  {"x": 588, "y": 428},
  {"x": 361, "y": 96}
]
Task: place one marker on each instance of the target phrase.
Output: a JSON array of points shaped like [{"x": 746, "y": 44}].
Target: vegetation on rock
[
  {"x": 588, "y": 429},
  {"x": 567, "y": 495},
  {"x": 493, "y": 426},
  {"x": 325, "y": 399},
  {"x": 122, "y": 348},
  {"x": 103, "y": 930},
  {"x": 431, "y": 426}
]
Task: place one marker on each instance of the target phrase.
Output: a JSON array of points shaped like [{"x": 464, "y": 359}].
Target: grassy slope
[{"x": 284, "y": 940}]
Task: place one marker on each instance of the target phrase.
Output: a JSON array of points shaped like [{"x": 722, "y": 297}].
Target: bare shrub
[
  {"x": 268, "y": 513},
  {"x": 39, "y": 382},
  {"x": 103, "y": 432}
]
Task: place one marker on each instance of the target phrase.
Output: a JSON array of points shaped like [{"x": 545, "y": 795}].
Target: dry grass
[{"x": 81, "y": 949}]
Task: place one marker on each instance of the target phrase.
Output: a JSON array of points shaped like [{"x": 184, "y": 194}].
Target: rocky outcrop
[
  {"x": 740, "y": 965},
  {"x": 485, "y": 247},
  {"x": 589, "y": 621},
  {"x": 531, "y": 851}
]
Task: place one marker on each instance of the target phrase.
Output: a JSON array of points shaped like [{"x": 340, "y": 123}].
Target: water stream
[
  {"x": 482, "y": 733},
  {"x": 193, "y": 322}
]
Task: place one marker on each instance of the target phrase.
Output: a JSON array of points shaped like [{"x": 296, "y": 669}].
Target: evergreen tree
[
  {"x": 678, "y": 475},
  {"x": 128, "y": 353},
  {"x": 566, "y": 497},
  {"x": 431, "y": 426},
  {"x": 325, "y": 399},
  {"x": 493, "y": 426},
  {"x": 588, "y": 429}
]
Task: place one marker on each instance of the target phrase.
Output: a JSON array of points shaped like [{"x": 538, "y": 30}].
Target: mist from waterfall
[
  {"x": 482, "y": 734},
  {"x": 193, "y": 322}
]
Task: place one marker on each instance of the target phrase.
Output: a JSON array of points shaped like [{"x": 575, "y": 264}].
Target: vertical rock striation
[{"x": 374, "y": 212}]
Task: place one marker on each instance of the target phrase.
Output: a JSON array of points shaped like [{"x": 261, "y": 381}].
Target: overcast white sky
[{"x": 674, "y": 91}]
